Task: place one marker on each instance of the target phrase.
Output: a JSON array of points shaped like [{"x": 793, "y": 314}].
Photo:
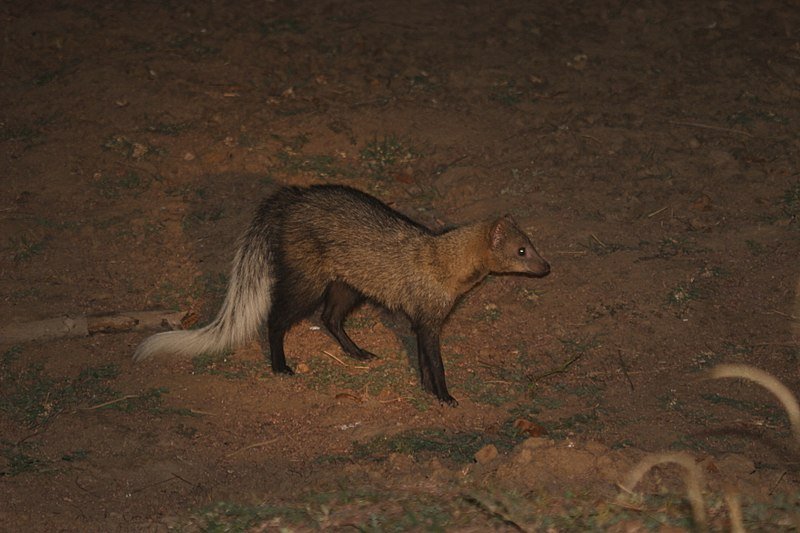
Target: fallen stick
[{"x": 84, "y": 326}]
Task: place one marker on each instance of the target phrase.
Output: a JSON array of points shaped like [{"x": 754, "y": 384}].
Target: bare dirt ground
[{"x": 649, "y": 147}]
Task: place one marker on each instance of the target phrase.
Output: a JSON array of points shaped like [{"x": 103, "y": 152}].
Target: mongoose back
[{"x": 336, "y": 246}]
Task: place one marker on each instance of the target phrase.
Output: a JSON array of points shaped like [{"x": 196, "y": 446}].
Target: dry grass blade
[
  {"x": 362, "y": 367},
  {"x": 769, "y": 382},
  {"x": 110, "y": 402},
  {"x": 735, "y": 511},
  {"x": 693, "y": 480},
  {"x": 496, "y": 509},
  {"x": 709, "y": 127},
  {"x": 254, "y": 445}
]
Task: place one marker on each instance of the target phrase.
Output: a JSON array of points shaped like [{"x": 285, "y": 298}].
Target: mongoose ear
[{"x": 499, "y": 230}]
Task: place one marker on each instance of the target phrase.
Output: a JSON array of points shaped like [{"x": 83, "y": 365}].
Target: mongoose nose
[{"x": 546, "y": 269}]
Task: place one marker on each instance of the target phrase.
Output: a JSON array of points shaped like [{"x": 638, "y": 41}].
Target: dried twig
[
  {"x": 110, "y": 402},
  {"x": 786, "y": 315},
  {"x": 362, "y": 367},
  {"x": 569, "y": 252},
  {"x": 398, "y": 399},
  {"x": 624, "y": 368},
  {"x": 254, "y": 445},
  {"x": 496, "y": 509},
  {"x": 709, "y": 127},
  {"x": 560, "y": 370}
]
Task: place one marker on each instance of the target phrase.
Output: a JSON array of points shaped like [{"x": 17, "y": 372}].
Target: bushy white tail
[{"x": 245, "y": 308}]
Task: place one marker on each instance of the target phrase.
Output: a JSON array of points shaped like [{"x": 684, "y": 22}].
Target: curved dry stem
[
  {"x": 769, "y": 382},
  {"x": 693, "y": 479},
  {"x": 734, "y": 511}
]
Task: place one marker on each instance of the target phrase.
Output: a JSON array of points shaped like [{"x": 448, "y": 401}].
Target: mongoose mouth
[{"x": 542, "y": 272}]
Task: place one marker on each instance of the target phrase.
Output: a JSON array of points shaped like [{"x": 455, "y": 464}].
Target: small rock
[
  {"x": 302, "y": 368},
  {"x": 486, "y": 454},
  {"x": 524, "y": 457},
  {"x": 595, "y": 447},
  {"x": 531, "y": 429},
  {"x": 401, "y": 461},
  {"x": 702, "y": 203},
  {"x": 535, "y": 442}
]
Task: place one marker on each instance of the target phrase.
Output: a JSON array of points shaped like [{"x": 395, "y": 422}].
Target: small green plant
[
  {"x": 601, "y": 248},
  {"x": 755, "y": 247},
  {"x": 225, "y": 516},
  {"x": 577, "y": 423},
  {"x": 460, "y": 447},
  {"x": 210, "y": 285},
  {"x": 24, "y": 249},
  {"x": 23, "y": 134},
  {"x": 491, "y": 313},
  {"x": 20, "y": 460},
  {"x": 171, "y": 129},
  {"x": 228, "y": 367},
  {"x": 380, "y": 156},
  {"x": 33, "y": 398},
  {"x": 169, "y": 296},
  {"x": 491, "y": 392},
  {"x": 76, "y": 455},
  {"x": 358, "y": 378},
  {"x": 670, "y": 247},
  {"x": 507, "y": 93},
  {"x": 198, "y": 217},
  {"x": 745, "y": 118},
  {"x": 680, "y": 295},
  {"x": 279, "y": 26},
  {"x": 121, "y": 145},
  {"x": 117, "y": 185},
  {"x": 324, "y": 166},
  {"x": 193, "y": 44},
  {"x": 704, "y": 360},
  {"x": 46, "y": 76},
  {"x": 791, "y": 200},
  {"x": 359, "y": 321},
  {"x": 151, "y": 401}
]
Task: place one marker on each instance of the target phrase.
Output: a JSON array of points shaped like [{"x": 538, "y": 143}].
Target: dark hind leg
[
  {"x": 292, "y": 301},
  {"x": 276, "y": 331},
  {"x": 340, "y": 299}
]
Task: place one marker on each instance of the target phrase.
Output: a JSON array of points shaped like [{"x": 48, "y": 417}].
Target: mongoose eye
[{"x": 521, "y": 251}]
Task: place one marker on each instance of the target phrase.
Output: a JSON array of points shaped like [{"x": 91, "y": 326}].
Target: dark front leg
[
  {"x": 431, "y": 367},
  {"x": 340, "y": 299}
]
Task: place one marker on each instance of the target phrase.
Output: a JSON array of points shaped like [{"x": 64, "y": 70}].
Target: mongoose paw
[
  {"x": 286, "y": 370},
  {"x": 364, "y": 355},
  {"x": 449, "y": 400}
]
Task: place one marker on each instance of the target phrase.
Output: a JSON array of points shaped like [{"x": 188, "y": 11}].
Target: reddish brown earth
[{"x": 650, "y": 148}]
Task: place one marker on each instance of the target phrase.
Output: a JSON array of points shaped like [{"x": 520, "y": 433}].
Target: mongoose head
[{"x": 511, "y": 251}]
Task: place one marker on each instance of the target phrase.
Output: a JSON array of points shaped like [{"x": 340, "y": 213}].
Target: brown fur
[{"x": 335, "y": 246}]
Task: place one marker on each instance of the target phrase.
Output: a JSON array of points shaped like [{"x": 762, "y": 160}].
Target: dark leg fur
[
  {"x": 340, "y": 299},
  {"x": 431, "y": 367},
  {"x": 276, "y": 333},
  {"x": 288, "y": 307}
]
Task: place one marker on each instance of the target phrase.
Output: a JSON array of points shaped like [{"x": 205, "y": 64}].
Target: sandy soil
[{"x": 650, "y": 148}]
